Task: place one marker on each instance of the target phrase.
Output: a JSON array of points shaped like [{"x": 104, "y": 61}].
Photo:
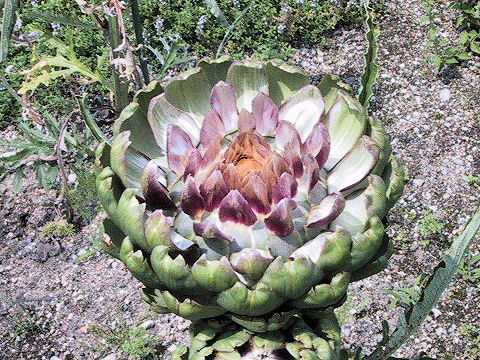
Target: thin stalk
[
  {"x": 228, "y": 34},
  {"x": 61, "y": 165},
  {"x": 138, "y": 27}
]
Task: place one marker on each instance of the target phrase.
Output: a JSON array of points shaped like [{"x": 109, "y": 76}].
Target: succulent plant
[{"x": 240, "y": 191}]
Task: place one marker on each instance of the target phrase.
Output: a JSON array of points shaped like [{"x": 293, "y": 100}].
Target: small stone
[
  {"x": 418, "y": 182},
  {"x": 445, "y": 95},
  {"x": 110, "y": 357},
  {"x": 172, "y": 348},
  {"x": 81, "y": 252},
  {"x": 436, "y": 313},
  {"x": 55, "y": 358},
  {"x": 148, "y": 324},
  {"x": 72, "y": 177}
]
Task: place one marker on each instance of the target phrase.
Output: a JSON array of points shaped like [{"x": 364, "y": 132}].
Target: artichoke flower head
[{"x": 240, "y": 189}]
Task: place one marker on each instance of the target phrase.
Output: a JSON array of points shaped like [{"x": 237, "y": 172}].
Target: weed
[
  {"x": 24, "y": 320},
  {"x": 471, "y": 332},
  {"x": 404, "y": 295},
  {"x": 58, "y": 228},
  {"x": 136, "y": 343},
  {"x": 402, "y": 240},
  {"x": 469, "y": 269},
  {"x": 443, "y": 52},
  {"x": 430, "y": 225},
  {"x": 473, "y": 180},
  {"x": 82, "y": 197}
]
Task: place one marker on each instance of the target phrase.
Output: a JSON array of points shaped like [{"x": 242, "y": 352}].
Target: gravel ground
[{"x": 54, "y": 308}]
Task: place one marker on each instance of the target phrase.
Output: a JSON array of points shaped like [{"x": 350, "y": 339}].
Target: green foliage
[
  {"x": 89, "y": 41},
  {"x": 23, "y": 319},
  {"x": 36, "y": 148},
  {"x": 471, "y": 333},
  {"x": 65, "y": 63},
  {"x": 59, "y": 228},
  {"x": 135, "y": 344},
  {"x": 343, "y": 313},
  {"x": 470, "y": 269},
  {"x": 473, "y": 180},
  {"x": 88, "y": 45},
  {"x": 430, "y": 225},
  {"x": 8, "y": 10},
  {"x": 82, "y": 197},
  {"x": 469, "y": 13},
  {"x": 171, "y": 53},
  {"x": 445, "y": 53},
  {"x": 404, "y": 295},
  {"x": 267, "y": 29}
]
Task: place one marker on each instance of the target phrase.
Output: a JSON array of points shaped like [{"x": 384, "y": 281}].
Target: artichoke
[{"x": 238, "y": 192}]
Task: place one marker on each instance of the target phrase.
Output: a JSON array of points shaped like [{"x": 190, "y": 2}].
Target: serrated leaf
[
  {"x": 68, "y": 63},
  {"x": 437, "y": 61},
  {"x": 12, "y": 156},
  {"x": 451, "y": 61},
  {"x": 411, "y": 319},
  {"x": 46, "y": 175},
  {"x": 463, "y": 56},
  {"x": 432, "y": 33},
  {"x": 370, "y": 71},
  {"x": 17, "y": 181}
]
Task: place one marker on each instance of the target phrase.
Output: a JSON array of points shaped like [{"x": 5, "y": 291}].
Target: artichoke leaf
[
  {"x": 345, "y": 126},
  {"x": 324, "y": 295},
  {"x": 131, "y": 217},
  {"x": 141, "y": 270},
  {"x": 188, "y": 308},
  {"x": 216, "y": 70},
  {"x": 127, "y": 162},
  {"x": 134, "y": 118},
  {"x": 190, "y": 92},
  {"x": 251, "y": 302},
  {"x": 284, "y": 80},
  {"x": 249, "y": 78},
  {"x": 303, "y": 109},
  {"x": 361, "y": 206}
]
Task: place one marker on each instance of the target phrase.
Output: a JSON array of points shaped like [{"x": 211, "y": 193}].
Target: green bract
[{"x": 238, "y": 190}]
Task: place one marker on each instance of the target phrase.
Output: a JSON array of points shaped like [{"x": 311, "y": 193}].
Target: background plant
[{"x": 444, "y": 52}]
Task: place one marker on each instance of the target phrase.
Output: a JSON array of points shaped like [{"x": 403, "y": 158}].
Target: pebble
[
  {"x": 110, "y": 357},
  {"x": 436, "y": 313},
  {"x": 81, "y": 252},
  {"x": 445, "y": 95},
  {"x": 148, "y": 324}
]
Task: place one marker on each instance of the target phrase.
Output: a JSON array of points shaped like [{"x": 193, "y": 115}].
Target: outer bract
[{"x": 240, "y": 190}]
